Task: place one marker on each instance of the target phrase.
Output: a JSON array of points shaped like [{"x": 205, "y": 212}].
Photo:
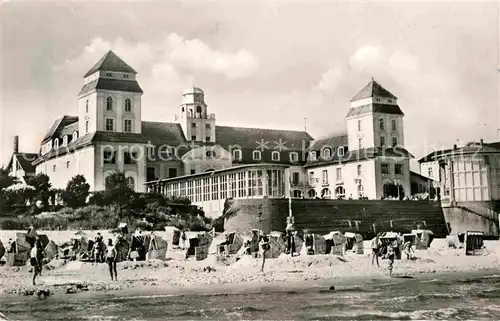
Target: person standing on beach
[
  {"x": 376, "y": 249},
  {"x": 34, "y": 261},
  {"x": 390, "y": 256},
  {"x": 264, "y": 245},
  {"x": 111, "y": 259}
]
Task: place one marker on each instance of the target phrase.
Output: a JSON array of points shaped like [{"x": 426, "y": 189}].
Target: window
[
  {"x": 275, "y": 156},
  {"x": 67, "y": 164},
  {"x": 389, "y": 100},
  {"x": 360, "y": 143},
  {"x": 339, "y": 174},
  {"x": 109, "y": 103},
  {"x": 325, "y": 193},
  {"x": 53, "y": 168},
  {"x": 129, "y": 158},
  {"x": 360, "y": 190},
  {"x": 172, "y": 172},
  {"x": 311, "y": 178},
  {"x": 193, "y": 171},
  {"x": 108, "y": 74},
  {"x": 193, "y": 125},
  {"x": 398, "y": 169},
  {"x": 193, "y": 137},
  {"x": 377, "y": 99},
  {"x": 210, "y": 153},
  {"x": 207, "y": 139},
  {"x": 359, "y": 170},
  {"x": 311, "y": 193},
  {"x": 87, "y": 106},
  {"x": 150, "y": 174},
  {"x": 75, "y": 135},
  {"x": 381, "y": 122},
  {"x": 382, "y": 141},
  {"x": 87, "y": 127},
  {"x": 385, "y": 168},
  {"x": 340, "y": 151},
  {"x": 125, "y": 76},
  {"x": 359, "y": 125},
  {"x": 393, "y": 125},
  {"x": 295, "y": 178},
  {"x": 256, "y": 155},
  {"x": 198, "y": 109},
  {"x": 429, "y": 172},
  {"x": 327, "y": 153},
  {"x": 128, "y": 105},
  {"x": 207, "y": 126},
  {"x": 324, "y": 177},
  {"x": 109, "y": 157},
  {"x": 56, "y": 143},
  {"x": 110, "y": 124},
  {"x": 394, "y": 141},
  {"x": 65, "y": 140},
  {"x": 131, "y": 182},
  {"x": 127, "y": 125},
  {"x": 339, "y": 191},
  {"x": 312, "y": 156},
  {"x": 294, "y": 157},
  {"x": 237, "y": 154}
]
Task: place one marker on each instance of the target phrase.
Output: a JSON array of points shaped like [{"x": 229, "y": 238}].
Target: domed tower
[{"x": 198, "y": 125}]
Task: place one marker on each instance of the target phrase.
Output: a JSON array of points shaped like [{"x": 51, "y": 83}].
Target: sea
[{"x": 431, "y": 297}]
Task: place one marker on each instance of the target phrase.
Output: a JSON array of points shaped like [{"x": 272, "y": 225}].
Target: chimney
[
  {"x": 482, "y": 141},
  {"x": 16, "y": 144},
  {"x": 454, "y": 146}
]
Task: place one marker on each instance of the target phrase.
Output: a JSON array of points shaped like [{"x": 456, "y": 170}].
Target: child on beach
[
  {"x": 264, "y": 245},
  {"x": 376, "y": 249},
  {"x": 408, "y": 250},
  {"x": 390, "y": 256},
  {"x": 111, "y": 259},
  {"x": 34, "y": 261}
]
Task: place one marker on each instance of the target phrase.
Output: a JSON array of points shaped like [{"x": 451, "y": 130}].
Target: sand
[{"x": 74, "y": 276}]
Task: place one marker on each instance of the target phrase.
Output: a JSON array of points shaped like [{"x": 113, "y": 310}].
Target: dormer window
[
  {"x": 312, "y": 156},
  {"x": 109, "y": 103},
  {"x": 128, "y": 105},
  {"x": 275, "y": 156},
  {"x": 75, "y": 135},
  {"x": 108, "y": 74},
  {"x": 237, "y": 154},
  {"x": 256, "y": 155},
  {"x": 294, "y": 157},
  {"x": 327, "y": 154},
  {"x": 340, "y": 151},
  {"x": 125, "y": 76},
  {"x": 65, "y": 140},
  {"x": 56, "y": 143}
]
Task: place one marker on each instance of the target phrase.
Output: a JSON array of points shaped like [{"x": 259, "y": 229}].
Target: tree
[
  {"x": 76, "y": 192},
  {"x": 118, "y": 192},
  {"x": 5, "y": 179},
  {"x": 41, "y": 183}
]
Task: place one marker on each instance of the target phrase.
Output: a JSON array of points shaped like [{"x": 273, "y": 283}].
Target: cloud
[
  {"x": 330, "y": 79},
  {"x": 365, "y": 57}
]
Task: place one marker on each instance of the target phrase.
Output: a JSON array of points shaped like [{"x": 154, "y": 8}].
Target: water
[{"x": 462, "y": 297}]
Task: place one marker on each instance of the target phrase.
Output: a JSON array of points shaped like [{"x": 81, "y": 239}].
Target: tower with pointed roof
[
  {"x": 374, "y": 119},
  {"x": 110, "y": 99},
  {"x": 198, "y": 125}
]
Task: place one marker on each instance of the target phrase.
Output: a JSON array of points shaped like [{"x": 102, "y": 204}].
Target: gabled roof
[
  {"x": 58, "y": 125},
  {"x": 373, "y": 89},
  {"x": 250, "y": 138},
  {"x": 24, "y": 160},
  {"x": 111, "y": 84},
  {"x": 111, "y": 62},
  {"x": 375, "y": 108},
  {"x": 164, "y": 133}
]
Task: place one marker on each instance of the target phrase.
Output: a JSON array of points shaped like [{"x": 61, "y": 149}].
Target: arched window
[
  {"x": 294, "y": 157},
  {"x": 325, "y": 193},
  {"x": 87, "y": 106},
  {"x": 311, "y": 193},
  {"x": 327, "y": 154},
  {"x": 65, "y": 140},
  {"x": 198, "y": 111},
  {"x": 393, "y": 125},
  {"x": 340, "y": 151},
  {"x": 128, "y": 105},
  {"x": 75, "y": 135},
  {"x": 296, "y": 193},
  {"x": 381, "y": 122},
  {"x": 131, "y": 182},
  {"x": 275, "y": 156},
  {"x": 182, "y": 109},
  {"x": 210, "y": 153},
  {"x": 56, "y": 143},
  {"x": 256, "y": 155},
  {"x": 312, "y": 156},
  {"x": 237, "y": 154},
  {"x": 109, "y": 103},
  {"x": 339, "y": 191}
]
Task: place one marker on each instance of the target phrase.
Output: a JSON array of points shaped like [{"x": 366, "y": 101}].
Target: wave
[
  {"x": 444, "y": 314},
  {"x": 219, "y": 311}
]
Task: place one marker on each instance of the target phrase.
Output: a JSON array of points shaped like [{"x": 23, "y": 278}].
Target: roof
[
  {"x": 412, "y": 173},
  {"x": 24, "y": 160},
  {"x": 332, "y": 141},
  {"x": 69, "y": 129},
  {"x": 431, "y": 156},
  {"x": 111, "y": 84},
  {"x": 194, "y": 90},
  {"x": 360, "y": 155},
  {"x": 58, "y": 125},
  {"x": 375, "y": 108},
  {"x": 469, "y": 148},
  {"x": 251, "y": 138},
  {"x": 111, "y": 62},
  {"x": 373, "y": 89},
  {"x": 165, "y": 133}
]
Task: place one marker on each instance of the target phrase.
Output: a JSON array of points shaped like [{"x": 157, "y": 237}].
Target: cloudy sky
[{"x": 262, "y": 64}]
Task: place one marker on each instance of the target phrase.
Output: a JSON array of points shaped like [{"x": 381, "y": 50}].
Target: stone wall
[
  {"x": 322, "y": 216},
  {"x": 473, "y": 216}
]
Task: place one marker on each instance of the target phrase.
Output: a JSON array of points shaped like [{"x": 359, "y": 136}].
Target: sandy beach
[{"x": 176, "y": 272}]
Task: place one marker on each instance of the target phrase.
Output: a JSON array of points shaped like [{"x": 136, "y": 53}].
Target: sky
[{"x": 261, "y": 64}]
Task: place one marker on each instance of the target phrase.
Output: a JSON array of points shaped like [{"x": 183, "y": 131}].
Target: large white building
[{"x": 195, "y": 157}]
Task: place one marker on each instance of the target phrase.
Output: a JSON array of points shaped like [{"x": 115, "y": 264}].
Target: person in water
[
  {"x": 111, "y": 259},
  {"x": 376, "y": 249},
  {"x": 34, "y": 261}
]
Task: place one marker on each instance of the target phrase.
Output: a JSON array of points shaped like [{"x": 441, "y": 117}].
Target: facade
[{"x": 195, "y": 157}]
